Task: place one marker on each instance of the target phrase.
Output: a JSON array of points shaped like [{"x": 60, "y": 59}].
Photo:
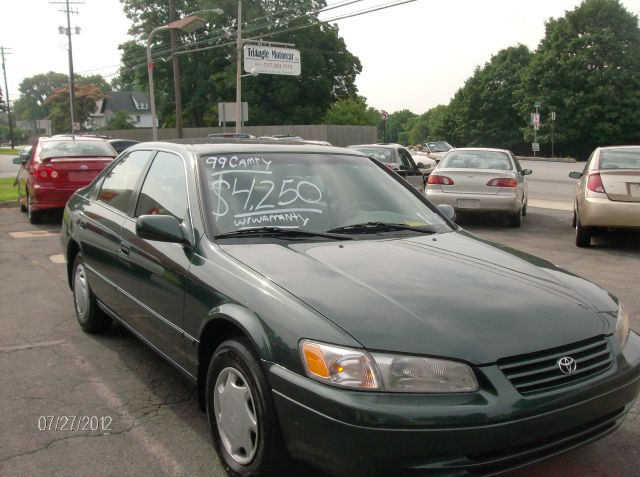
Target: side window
[
  {"x": 119, "y": 183},
  {"x": 516, "y": 162},
  {"x": 585, "y": 171},
  {"x": 164, "y": 191}
]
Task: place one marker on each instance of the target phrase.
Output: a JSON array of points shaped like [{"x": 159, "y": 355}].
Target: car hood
[{"x": 448, "y": 295}]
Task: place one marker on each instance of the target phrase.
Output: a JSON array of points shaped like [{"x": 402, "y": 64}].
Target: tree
[
  {"x": 352, "y": 111},
  {"x": 396, "y": 125},
  {"x": 208, "y": 77},
  {"x": 587, "y": 70},
  {"x": 60, "y": 111},
  {"x": 121, "y": 120},
  {"x": 429, "y": 126},
  {"x": 482, "y": 112}
]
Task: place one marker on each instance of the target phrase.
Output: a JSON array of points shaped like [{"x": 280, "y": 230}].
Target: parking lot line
[{"x": 34, "y": 234}]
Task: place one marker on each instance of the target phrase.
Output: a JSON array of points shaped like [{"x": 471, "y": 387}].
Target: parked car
[
  {"x": 121, "y": 144},
  {"x": 607, "y": 192},
  {"x": 437, "y": 149},
  {"x": 398, "y": 159},
  {"x": 428, "y": 163},
  {"x": 56, "y": 168},
  {"x": 481, "y": 180},
  {"x": 281, "y": 279}
]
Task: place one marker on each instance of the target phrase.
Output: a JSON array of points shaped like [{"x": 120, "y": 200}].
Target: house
[{"x": 133, "y": 102}]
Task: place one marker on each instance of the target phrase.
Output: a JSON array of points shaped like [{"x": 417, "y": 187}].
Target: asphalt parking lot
[{"x": 147, "y": 421}]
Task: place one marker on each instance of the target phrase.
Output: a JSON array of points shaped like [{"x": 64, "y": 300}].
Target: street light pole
[
  {"x": 239, "y": 70},
  {"x": 152, "y": 101}
]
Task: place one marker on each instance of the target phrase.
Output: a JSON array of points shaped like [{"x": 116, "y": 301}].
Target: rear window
[
  {"x": 77, "y": 148},
  {"x": 620, "y": 158},
  {"x": 476, "y": 160}
]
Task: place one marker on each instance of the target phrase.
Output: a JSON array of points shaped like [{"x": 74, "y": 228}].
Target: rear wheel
[
  {"x": 515, "y": 220},
  {"x": 90, "y": 318},
  {"x": 35, "y": 216},
  {"x": 583, "y": 236},
  {"x": 241, "y": 412}
]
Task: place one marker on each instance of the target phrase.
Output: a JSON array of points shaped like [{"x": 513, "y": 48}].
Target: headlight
[
  {"x": 385, "y": 372},
  {"x": 622, "y": 326}
]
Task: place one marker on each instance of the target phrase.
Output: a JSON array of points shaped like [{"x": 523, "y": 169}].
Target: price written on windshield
[{"x": 246, "y": 189}]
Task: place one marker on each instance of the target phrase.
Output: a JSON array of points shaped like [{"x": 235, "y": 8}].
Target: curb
[{"x": 8, "y": 204}]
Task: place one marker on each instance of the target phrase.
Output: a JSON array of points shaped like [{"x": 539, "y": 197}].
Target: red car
[{"x": 56, "y": 168}]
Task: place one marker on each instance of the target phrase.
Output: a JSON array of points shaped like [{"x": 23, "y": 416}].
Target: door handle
[{"x": 124, "y": 249}]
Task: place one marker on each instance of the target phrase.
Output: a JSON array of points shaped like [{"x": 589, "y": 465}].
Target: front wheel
[
  {"x": 241, "y": 412},
  {"x": 90, "y": 318}
]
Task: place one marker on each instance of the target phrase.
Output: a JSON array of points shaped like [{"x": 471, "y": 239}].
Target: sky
[{"x": 414, "y": 56}]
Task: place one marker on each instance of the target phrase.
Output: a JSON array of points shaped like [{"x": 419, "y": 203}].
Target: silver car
[
  {"x": 481, "y": 180},
  {"x": 607, "y": 192}
]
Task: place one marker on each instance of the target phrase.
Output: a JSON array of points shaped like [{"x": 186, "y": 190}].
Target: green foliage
[
  {"x": 7, "y": 190},
  {"x": 396, "y": 127},
  {"x": 3, "y": 105},
  {"x": 587, "y": 69},
  {"x": 352, "y": 111},
  {"x": 120, "y": 120},
  {"x": 208, "y": 77},
  {"x": 429, "y": 126}
]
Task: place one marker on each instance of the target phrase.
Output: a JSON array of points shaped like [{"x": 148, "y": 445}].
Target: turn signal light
[
  {"x": 440, "y": 180},
  {"x": 315, "y": 360},
  {"x": 502, "y": 182},
  {"x": 595, "y": 184}
]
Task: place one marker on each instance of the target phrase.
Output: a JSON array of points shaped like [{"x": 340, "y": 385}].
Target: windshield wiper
[
  {"x": 280, "y": 232},
  {"x": 373, "y": 227}
]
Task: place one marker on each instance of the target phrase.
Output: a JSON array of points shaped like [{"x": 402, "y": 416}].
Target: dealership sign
[{"x": 271, "y": 60}]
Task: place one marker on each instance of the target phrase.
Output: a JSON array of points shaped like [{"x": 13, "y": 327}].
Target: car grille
[{"x": 538, "y": 372}]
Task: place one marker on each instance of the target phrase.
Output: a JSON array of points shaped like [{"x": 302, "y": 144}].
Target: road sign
[
  {"x": 227, "y": 113},
  {"x": 76, "y": 126},
  {"x": 536, "y": 104},
  {"x": 384, "y": 115},
  {"x": 553, "y": 115},
  {"x": 535, "y": 120},
  {"x": 535, "y": 146},
  {"x": 271, "y": 60}
]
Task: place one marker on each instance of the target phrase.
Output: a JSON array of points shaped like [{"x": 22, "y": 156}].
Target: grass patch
[
  {"x": 7, "y": 189},
  {"x": 11, "y": 152}
]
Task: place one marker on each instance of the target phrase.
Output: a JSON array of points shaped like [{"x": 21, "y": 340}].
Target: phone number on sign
[{"x": 75, "y": 423}]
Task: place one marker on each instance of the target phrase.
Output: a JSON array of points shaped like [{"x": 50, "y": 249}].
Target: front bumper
[
  {"x": 602, "y": 212},
  {"x": 501, "y": 202},
  {"x": 490, "y": 431}
]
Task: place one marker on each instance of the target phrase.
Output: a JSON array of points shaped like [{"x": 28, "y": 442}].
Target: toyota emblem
[
  {"x": 567, "y": 365},
  {"x": 84, "y": 167}
]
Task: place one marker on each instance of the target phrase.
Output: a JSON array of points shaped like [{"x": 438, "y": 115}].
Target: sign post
[
  {"x": 535, "y": 120},
  {"x": 553, "y": 123},
  {"x": 384, "y": 115}
]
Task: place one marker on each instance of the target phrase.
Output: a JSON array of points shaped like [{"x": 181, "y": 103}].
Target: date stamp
[{"x": 75, "y": 423}]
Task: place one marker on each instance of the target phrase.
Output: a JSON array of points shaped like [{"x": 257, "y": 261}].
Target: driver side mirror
[
  {"x": 19, "y": 161},
  {"x": 420, "y": 165},
  {"x": 527, "y": 172},
  {"x": 575, "y": 175},
  {"x": 448, "y": 211}
]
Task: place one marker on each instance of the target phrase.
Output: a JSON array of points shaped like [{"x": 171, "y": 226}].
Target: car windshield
[
  {"x": 620, "y": 158},
  {"x": 308, "y": 192},
  {"x": 380, "y": 153},
  {"x": 75, "y": 148},
  {"x": 461, "y": 159},
  {"x": 439, "y": 146}
]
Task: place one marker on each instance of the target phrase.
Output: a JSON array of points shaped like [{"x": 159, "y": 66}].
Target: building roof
[{"x": 133, "y": 102}]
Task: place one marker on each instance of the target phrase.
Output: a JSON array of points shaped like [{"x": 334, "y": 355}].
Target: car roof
[
  {"x": 72, "y": 138},
  {"x": 487, "y": 149},
  {"x": 380, "y": 146}
]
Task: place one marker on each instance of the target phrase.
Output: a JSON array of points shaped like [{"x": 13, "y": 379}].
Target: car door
[
  {"x": 409, "y": 170},
  {"x": 154, "y": 273},
  {"x": 521, "y": 178},
  {"x": 100, "y": 222}
]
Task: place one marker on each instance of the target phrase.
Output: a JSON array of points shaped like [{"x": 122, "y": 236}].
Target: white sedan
[
  {"x": 481, "y": 180},
  {"x": 428, "y": 164}
]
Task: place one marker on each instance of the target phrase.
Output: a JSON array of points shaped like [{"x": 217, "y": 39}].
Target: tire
[
  {"x": 515, "y": 220},
  {"x": 236, "y": 376},
  {"x": 90, "y": 318},
  {"x": 23, "y": 208},
  {"x": 35, "y": 216},
  {"x": 583, "y": 236},
  {"x": 575, "y": 219}
]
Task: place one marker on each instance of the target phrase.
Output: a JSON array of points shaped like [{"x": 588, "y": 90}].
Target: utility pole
[
  {"x": 72, "y": 85},
  {"x": 239, "y": 70},
  {"x": 6, "y": 92},
  {"x": 175, "y": 61}
]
